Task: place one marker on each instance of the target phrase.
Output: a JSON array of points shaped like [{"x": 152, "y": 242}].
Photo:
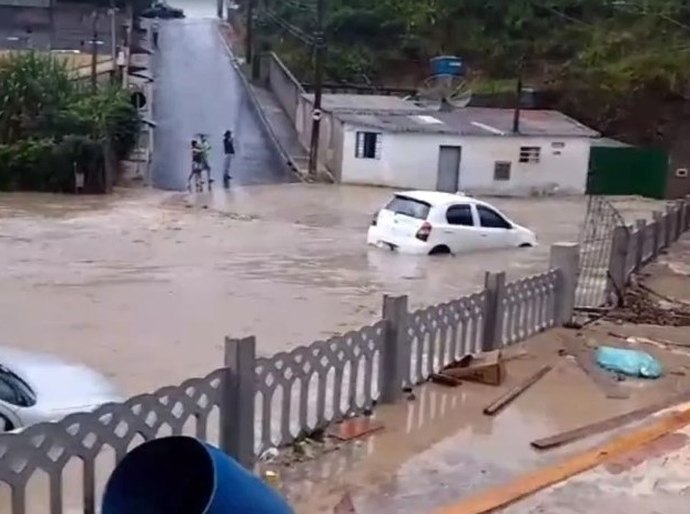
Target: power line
[
  {"x": 287, "y": 26},
  {"x": 560, "y": 14}
]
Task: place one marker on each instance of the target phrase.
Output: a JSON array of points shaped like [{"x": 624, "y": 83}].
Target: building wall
[
  {"x": 284, "y": 85},
  {"x": 411, "y": 161},
  {"x": 559, "y": 170},
  {"x": 330, "y": 136}
]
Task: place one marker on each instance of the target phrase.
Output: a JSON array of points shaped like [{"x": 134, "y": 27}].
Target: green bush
[
  {"x": 46, "y": 165},
  {"x": 49, "y": 126}
]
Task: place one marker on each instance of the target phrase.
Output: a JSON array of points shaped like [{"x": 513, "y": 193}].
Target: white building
[{"x": 471, "y": 149}]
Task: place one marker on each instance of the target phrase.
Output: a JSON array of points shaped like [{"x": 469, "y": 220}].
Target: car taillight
[
  {"x": 375, "y": 219},
  {"x": 424, "y": 231}
]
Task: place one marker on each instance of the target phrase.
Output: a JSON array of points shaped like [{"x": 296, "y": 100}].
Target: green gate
[{"x": 627, "y": 171}]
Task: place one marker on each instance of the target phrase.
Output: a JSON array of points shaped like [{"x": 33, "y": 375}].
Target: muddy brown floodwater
[{"x": 144, "y": 285}]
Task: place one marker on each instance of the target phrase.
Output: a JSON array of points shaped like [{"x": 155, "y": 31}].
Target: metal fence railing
[{"x": 253, "y": 403}]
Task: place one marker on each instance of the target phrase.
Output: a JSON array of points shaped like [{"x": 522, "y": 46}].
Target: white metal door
[{"x": 448, "y": 168}]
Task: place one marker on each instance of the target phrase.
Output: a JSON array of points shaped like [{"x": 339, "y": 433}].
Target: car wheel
[
  {"x": 525, "y": 245},
  {"x": 440, "y": 250},
  {"x": 5, "y": 424}
]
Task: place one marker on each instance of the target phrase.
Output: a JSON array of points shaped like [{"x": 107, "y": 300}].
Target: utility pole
[
  {"x": 249, "y": 43},
  {"x": 319, "y": 56},
  {"x": 112, "y": 11},
  {"x": 518, "y": 98},
  {"x": 94, "y": 51},
  {"x": 52, "y": 24}
]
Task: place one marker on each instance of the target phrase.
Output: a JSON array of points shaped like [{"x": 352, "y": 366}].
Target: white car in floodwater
[
  {"x": 36, "y": 387},
  {"x": 434, "y": 222}
]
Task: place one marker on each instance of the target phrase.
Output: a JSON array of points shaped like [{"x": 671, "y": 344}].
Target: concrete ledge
[{"x": 280, "y": 152}]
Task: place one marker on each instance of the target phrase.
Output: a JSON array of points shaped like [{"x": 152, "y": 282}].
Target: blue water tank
[
  {"x": 447, "y": 65},
  {"x": 183, "y": 475}
]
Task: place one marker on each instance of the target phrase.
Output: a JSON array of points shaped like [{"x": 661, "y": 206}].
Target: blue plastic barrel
[
  {"x": 447, "y": 65},
  {"x": 182, "y": 475}
]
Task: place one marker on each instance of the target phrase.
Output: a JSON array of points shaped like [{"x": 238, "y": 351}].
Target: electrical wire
[{"x": 293, "y": 30}]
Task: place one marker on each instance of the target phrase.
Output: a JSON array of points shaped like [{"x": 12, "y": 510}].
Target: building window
[
  {"x": 558, "y": 144},
  {"x": 530, "y": 154},
  {"x": 502, "y": 170},
  {"x": 368, "y": 145}
]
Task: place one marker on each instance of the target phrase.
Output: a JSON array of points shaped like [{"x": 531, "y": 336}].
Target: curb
[{"x": 282, "y": 155}]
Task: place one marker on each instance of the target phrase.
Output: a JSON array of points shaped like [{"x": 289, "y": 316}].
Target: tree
[{"x": 48, "y": 124}]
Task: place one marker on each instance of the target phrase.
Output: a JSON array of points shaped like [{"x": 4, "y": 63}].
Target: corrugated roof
[
  {"x": 363, "y": 104},
  {"x": 472, "y": 121},
  {"x": 416, "y": 123},
  {"x": 25, "y": 3},
  {"x": 607, "y": 141},
  {"x": 484, "y": 121}
]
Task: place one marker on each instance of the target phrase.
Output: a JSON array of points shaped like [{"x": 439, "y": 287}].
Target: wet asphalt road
[{"x": 198, "y": 90}]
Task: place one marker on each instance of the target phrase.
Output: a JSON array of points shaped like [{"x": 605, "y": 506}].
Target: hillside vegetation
[{"x": 610, "y": 63}]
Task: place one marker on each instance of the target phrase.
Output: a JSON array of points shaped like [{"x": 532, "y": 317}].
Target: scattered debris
[
  {"x": 345, "y": 505},
  {"x": 664, "y": 344},
  {"x": 608, "y": 424},
  {"x": 508, "y": 397},
  {"x": 446, "y": 380},
  {"x": 522, "y": 354},
  {"x": 269, "y": 455},
  {"x": 303, "y": 448},
  {"x": 503, "y": 495},
  {"x": 641, "y": 305},
  {"x": 487, "y": 368},
  {"x": 663, "y": 296},
  {"x": 354, "y": 428},
  {"x": 633, "y": 363},
  {"x": 272, "y": 478}
]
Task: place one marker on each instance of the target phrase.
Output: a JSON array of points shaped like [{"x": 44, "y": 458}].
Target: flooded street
[{"x": 144, "y": 286}]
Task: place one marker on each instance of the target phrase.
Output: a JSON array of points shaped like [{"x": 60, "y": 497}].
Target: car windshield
[
  {"x": 26, "y": 396},
  {"x": 409, "y": 207}
]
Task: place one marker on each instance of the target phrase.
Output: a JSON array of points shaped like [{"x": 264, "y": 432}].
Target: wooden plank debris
[
  {"x": 354, "y": 428},
  {"x": 444, "y": 379},
  {"x": 516, "y": 391},
  {"x": 608, "y": 424},
  {"x": 502, "y": 496},
  {"x": 487, "y": 368}
]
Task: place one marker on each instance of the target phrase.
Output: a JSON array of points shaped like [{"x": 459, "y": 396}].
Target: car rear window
[{"x": 409, "y": 207}]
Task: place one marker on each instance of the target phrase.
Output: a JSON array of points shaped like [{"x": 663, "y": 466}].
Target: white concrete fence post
[
  {"x": 565, "y": 257},
  {"x": 680, "y": 211},
  {"x": 658, "y": 223},
  {"x": 238, "y": 392},
  {"x": 618, "y": 259},
  {"x": 641, "y": 226},
  {"x": 668, "y": 226},
  {"x": 395, "y": 358},
  {"x": 495, "y": 285}
]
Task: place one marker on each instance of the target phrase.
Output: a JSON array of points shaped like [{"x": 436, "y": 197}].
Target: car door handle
[{"x": 484, "y": 235}]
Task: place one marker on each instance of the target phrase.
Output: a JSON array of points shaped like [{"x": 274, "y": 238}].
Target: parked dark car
[{"x": 163, "y": 11}]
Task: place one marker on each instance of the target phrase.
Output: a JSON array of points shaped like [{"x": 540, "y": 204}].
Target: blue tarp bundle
[{"x": 634, "y": 363}]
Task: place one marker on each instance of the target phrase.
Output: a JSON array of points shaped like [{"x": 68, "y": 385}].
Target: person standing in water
[
  {"x": 229, "y": 150},
  {"x": 154, "y": 31}
]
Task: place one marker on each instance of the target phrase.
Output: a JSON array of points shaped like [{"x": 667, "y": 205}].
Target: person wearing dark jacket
[{"x": 229, "y": 150}]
